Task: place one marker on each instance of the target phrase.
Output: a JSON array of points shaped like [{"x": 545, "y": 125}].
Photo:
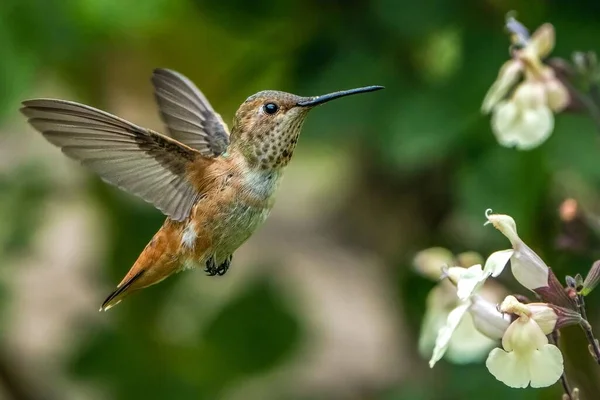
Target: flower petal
[
  {"x": 468, "y": 344},
  {"x": 469, "y": 281},
  {"x": 558, "y": 95},
  {"x": 530, "y": 94},
  {"x": 445, "y": 333},
  {"x": 523, "y": 336},
  {"x": 542, "y": 41},
  {"x": 496, "y": 262},
  {"x": 533, "y": 127},
  {"x": 505, "y": 224},
  {"x": 504, "y": 116},
  {"x": 507, "y": 77},
  {"x": 508, "y": 368},
  {"x": 545, "y": 366},
  {"x": 544, "y": 316},
  {"x": 487, "y": 319},
  {"x": 440, "y": 301},
  {"x": 528, "y": 268}
]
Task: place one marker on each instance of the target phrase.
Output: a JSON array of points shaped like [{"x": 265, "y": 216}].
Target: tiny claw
[
  {"x": 211, "y": 267},
  {"x": 224, "y": 267}
]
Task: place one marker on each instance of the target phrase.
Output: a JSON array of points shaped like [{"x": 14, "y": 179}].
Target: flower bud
[
  {"x": 592, "y": 279},
  {"x": 487, "y": 319}
]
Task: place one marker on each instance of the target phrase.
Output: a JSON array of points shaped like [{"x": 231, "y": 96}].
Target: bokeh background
[{"x": 322, "y": 303}]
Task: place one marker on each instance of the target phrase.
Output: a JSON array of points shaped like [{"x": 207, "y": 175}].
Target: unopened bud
[
  {"x": 586, "y": 63},
  {"x": 592, "y": 279},
  {"x": 578, "y": 282}
]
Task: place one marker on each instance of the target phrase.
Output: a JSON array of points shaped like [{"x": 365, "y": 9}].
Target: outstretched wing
[
  {"x": 137, "y": 160},
  {"x": 188, "y": 115}
]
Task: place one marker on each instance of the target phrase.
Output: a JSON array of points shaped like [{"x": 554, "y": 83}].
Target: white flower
[
  {"x": 522, "y": 126},
  {"x": 467, "y": 331},
  {"x": 527, "y": 267},
  {"x": 527, "y": 358},
  {"x": 525, "y": 120},
  {"x": 469, "y": 280}
]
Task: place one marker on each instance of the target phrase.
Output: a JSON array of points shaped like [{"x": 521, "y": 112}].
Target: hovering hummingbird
[{"x": 215, "y": 187}]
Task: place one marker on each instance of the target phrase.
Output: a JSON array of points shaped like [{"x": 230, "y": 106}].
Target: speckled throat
[{"x": 268, "y": 144}]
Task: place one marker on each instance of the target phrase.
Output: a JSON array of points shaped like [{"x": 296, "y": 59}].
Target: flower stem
[
  {"x": 563, "y": 378},
  {"x": 587, "y": 328},
  {"x": 585, "y": 100}
]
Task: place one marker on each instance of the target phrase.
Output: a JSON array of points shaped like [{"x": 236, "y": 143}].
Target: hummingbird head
[{"x": 268, "y": 123}]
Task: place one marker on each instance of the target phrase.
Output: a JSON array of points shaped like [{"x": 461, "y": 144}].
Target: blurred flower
[
  {"x": 525, "y": 119},
  {"x": 462, "y": 326},
  {"x": 429, "y": 262},
  {"x": 469, "y": 280},
  {"x": 527, "y": 358},
  {"x": 527, "y": 267}
]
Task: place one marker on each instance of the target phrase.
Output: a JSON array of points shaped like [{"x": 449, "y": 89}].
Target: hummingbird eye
[{"x": 271, "y": 108}]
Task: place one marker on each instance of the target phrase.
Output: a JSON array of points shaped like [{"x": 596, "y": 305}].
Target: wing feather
[
  {"x": 188, "y": 115},
  {"x": 137, "y": 160}
]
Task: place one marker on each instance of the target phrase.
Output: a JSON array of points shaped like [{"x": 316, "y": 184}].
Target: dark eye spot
[{"x": 270, "y": 108}]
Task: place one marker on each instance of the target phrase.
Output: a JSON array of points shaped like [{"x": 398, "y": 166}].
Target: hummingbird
[{"x": 215, "y": 186}]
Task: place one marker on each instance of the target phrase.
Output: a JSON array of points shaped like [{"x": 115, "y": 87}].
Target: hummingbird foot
[{"x": 213, "y": 269}]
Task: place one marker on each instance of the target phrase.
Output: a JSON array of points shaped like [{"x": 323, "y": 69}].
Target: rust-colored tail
[{"x": 158, "y": 260}]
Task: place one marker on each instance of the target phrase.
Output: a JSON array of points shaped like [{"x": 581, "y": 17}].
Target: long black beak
[{"x": 313, "y": 101}]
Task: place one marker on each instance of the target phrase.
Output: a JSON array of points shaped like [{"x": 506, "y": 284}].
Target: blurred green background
[{"x": 322, "y": 302}]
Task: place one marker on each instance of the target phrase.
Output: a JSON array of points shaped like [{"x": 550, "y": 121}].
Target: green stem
[
  {"x": 587, "y": 329},
  {"x": 586, "y": 101},
  {"x": 563, "y": 378}
]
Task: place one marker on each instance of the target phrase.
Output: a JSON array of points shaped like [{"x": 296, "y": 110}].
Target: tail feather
[{"x": 115, "y": 297}]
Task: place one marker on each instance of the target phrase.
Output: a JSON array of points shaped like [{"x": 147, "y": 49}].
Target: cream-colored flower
[
  {"x": 525, "y": 119},
  {"x": 527, "y": 267},
  {"x": 469, "y": 280},
  {"x": 523, "y": 122},
  {"x": 527, "y": 358},
  {"x": 466, "y": 329}
]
